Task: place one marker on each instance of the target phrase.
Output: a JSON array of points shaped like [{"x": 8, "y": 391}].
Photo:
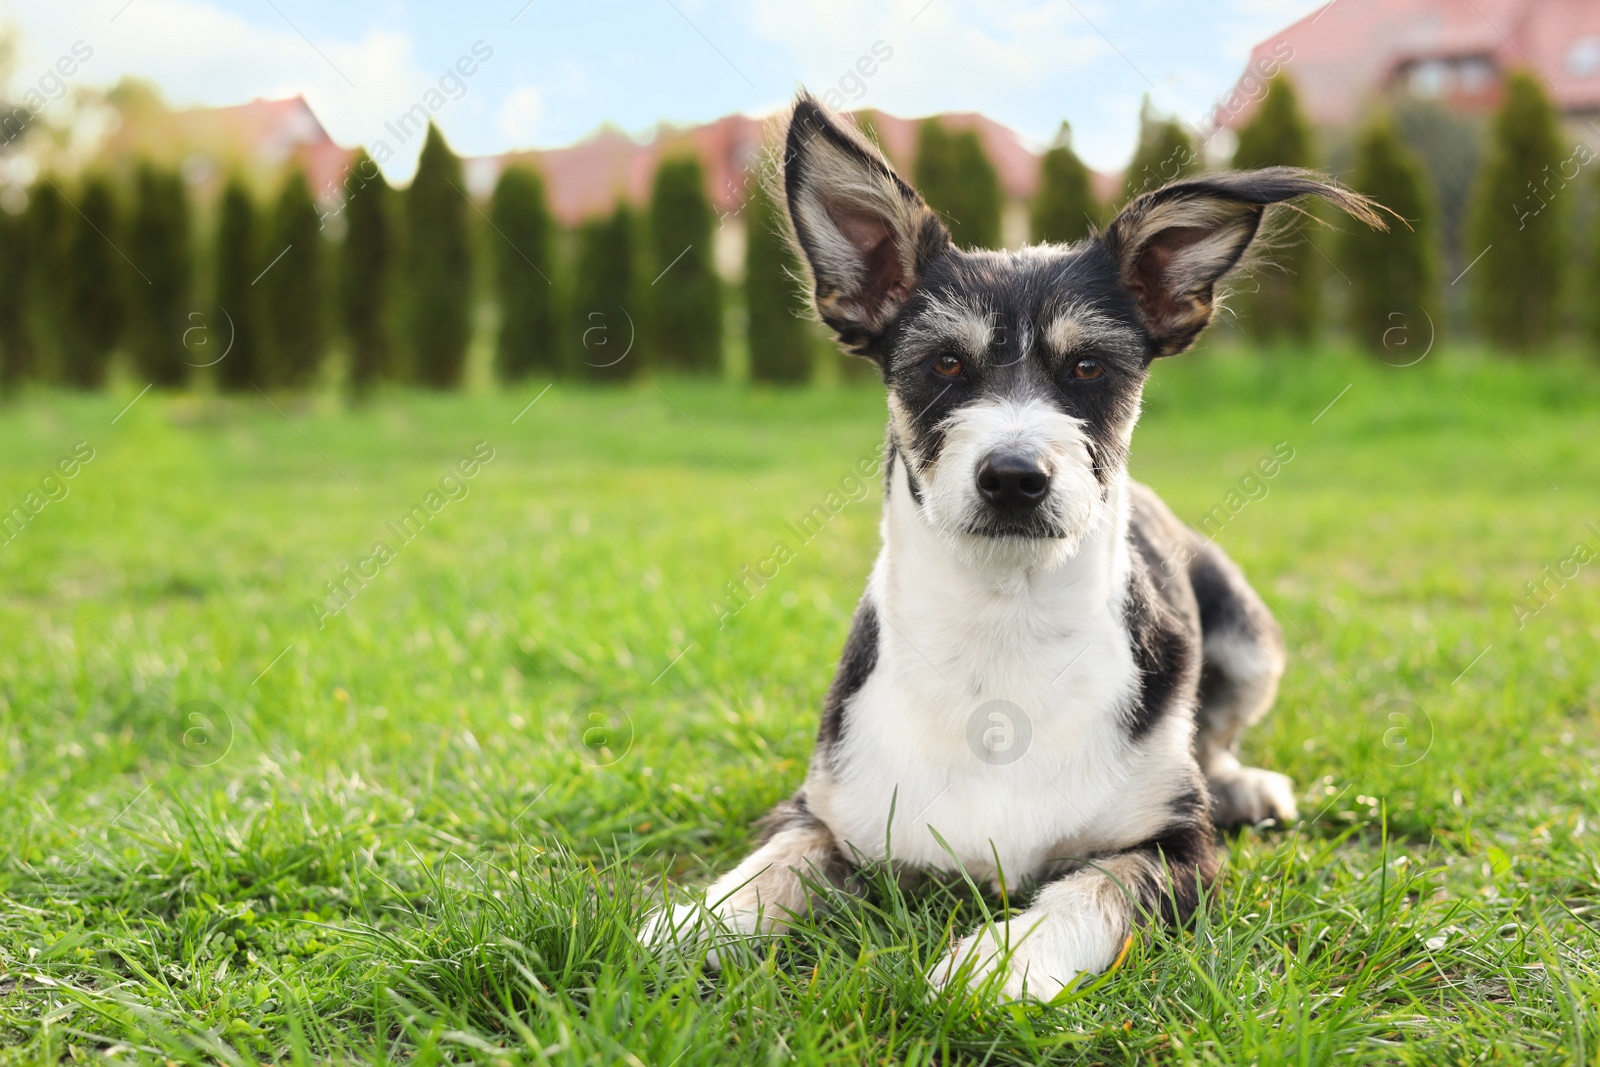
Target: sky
[{"x": 549, "y": 73}]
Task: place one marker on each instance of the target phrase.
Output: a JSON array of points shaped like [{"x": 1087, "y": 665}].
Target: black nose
[{"x": 1012, "y": 483}]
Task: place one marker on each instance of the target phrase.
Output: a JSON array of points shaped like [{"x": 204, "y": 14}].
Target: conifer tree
[
  {"x": 607, "y": 319},
  {"x": 159, "y": 300},
  {"x": 439, "y": 265},
  {"x": 1519, "y": 215},
  {"x": 1286, "y": 304},
  {"x": 1063, "y": 209},
  {"x": 1589, "y": 290},
  {"x": 367, "y": 274},
  {"x": 525, "y": 272},
  {"x": 92, "y": 324},
  {"x": 959, "y": 182},
  {"x": 686, "y": 293},
  {"x": 293, "y": 287},
  {"x": 781, "y": 341},
  {"x": 239, "y": 260},
  {"x": 18, "y": 361},
  {"x": 1394, "y": 275},
  {"x": 49, "y": 221},
  {"x": 1165, "y": 153}
]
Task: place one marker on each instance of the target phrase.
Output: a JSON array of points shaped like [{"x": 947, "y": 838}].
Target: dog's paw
[
  {"x": 1250, "y": 795},
  {"x": 1030, "y": 968},
  {"x": 691, "y": 928}
]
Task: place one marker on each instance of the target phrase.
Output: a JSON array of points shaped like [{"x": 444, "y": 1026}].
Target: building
[{"x": 1458, "y": 52}]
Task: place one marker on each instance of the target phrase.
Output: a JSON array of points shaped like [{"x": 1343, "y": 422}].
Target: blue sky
[{"x": 559, "y": 70}]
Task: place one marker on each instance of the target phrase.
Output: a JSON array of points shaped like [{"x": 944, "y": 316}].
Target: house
[
  {"x": 1458, "y": 52},
  {"x": 259, "y": 137},
  {"x": 589, "y": 177}
]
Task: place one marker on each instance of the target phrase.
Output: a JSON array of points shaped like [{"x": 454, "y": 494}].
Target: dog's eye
[
  {"x": 949, "y": 366},
  {"x": 1087, "y": 369}
]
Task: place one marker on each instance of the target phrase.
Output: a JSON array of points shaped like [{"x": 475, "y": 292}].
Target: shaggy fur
[{"x": 1048, "y": 675}]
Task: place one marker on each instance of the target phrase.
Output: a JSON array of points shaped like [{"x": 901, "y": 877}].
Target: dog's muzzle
[{"x": 1014, "y": 485}]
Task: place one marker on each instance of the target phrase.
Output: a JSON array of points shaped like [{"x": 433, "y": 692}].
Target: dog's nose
[{"x": 1012, "y": 483}]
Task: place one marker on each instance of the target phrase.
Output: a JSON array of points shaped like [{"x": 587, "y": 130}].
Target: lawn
[{"x": 246, "y": 819}]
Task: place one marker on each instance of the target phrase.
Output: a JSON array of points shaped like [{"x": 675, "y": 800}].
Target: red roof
[
  {"x": 586, "y": 179},
  {"x": 1347, "y": 51}
]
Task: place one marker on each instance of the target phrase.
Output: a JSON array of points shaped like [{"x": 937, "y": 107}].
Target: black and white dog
[{"x": 1024, "y": 691}]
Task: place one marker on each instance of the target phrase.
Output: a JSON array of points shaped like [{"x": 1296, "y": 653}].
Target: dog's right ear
[{"x": 864, "y": 233}]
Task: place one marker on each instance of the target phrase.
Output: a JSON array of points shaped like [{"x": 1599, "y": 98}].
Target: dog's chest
[{"x": 996, "y": 729}]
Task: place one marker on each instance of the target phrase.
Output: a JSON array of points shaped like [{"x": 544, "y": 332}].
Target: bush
[
  {"x": 1064, "y": 209},
  {"x": 685, "y": 294},
  {"x": 605, "y": 307},
  {"x": 959, "y": 182},
  {"x": 1519, "y": 214},
  {"x": 159, "y": 302},
  {"x": 439, "y": 265},
  {"x": 1394, "y": 275},
  {"x": 1287, "y": 302},
  {"x": 239, "y": 260},
  {"x": 293, "y": 288},
  {"x": 93, "y": 322},
  {"x": 530, "y": 319},
  {"x": 781, "y": 342},
  {"x": 366, "y": 275}
]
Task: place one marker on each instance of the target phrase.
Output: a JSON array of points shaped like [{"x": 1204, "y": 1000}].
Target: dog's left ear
[
  {"x": 1173, "y": 245},
  {"x": 864, "y": 233}
]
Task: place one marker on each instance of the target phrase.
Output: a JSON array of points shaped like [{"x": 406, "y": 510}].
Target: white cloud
[
  {"x": 201, "y": 55},
  {"x": 517, "y": 118}
]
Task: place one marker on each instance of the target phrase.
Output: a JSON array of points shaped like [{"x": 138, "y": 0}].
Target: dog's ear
[
  {"x": 865, "y": 235},
  {"x": 1173, "y": 245}
]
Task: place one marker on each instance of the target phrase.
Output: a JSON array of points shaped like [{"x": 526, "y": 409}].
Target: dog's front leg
[
  {"x": 1080, "y": 922},
  {"x": 763, "y": 893}
]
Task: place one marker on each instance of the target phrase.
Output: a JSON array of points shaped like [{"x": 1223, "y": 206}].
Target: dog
[{"x": 1048, "y": 675}]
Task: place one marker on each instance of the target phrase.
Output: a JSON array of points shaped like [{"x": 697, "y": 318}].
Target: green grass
[{"x": 389, "y": 837}]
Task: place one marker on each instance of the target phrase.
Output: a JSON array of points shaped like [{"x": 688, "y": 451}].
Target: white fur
[
  {"x": 964, "y": 324},
  {"x": 759, "y": 896},
  {"x": 952, "y": 637},
  {"x": 1075, "y": 325},
  {"x": 1032, "y": 428},
  {"x": 1075, "y": 925}
]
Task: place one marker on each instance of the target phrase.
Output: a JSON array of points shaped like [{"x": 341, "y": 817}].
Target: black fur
[
  {"x": 1187, "y": 854},
  {"x": 856, "y": 664},
  {"x": 887, "y": 279},
  {"x": 1165, "y": 650}
]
